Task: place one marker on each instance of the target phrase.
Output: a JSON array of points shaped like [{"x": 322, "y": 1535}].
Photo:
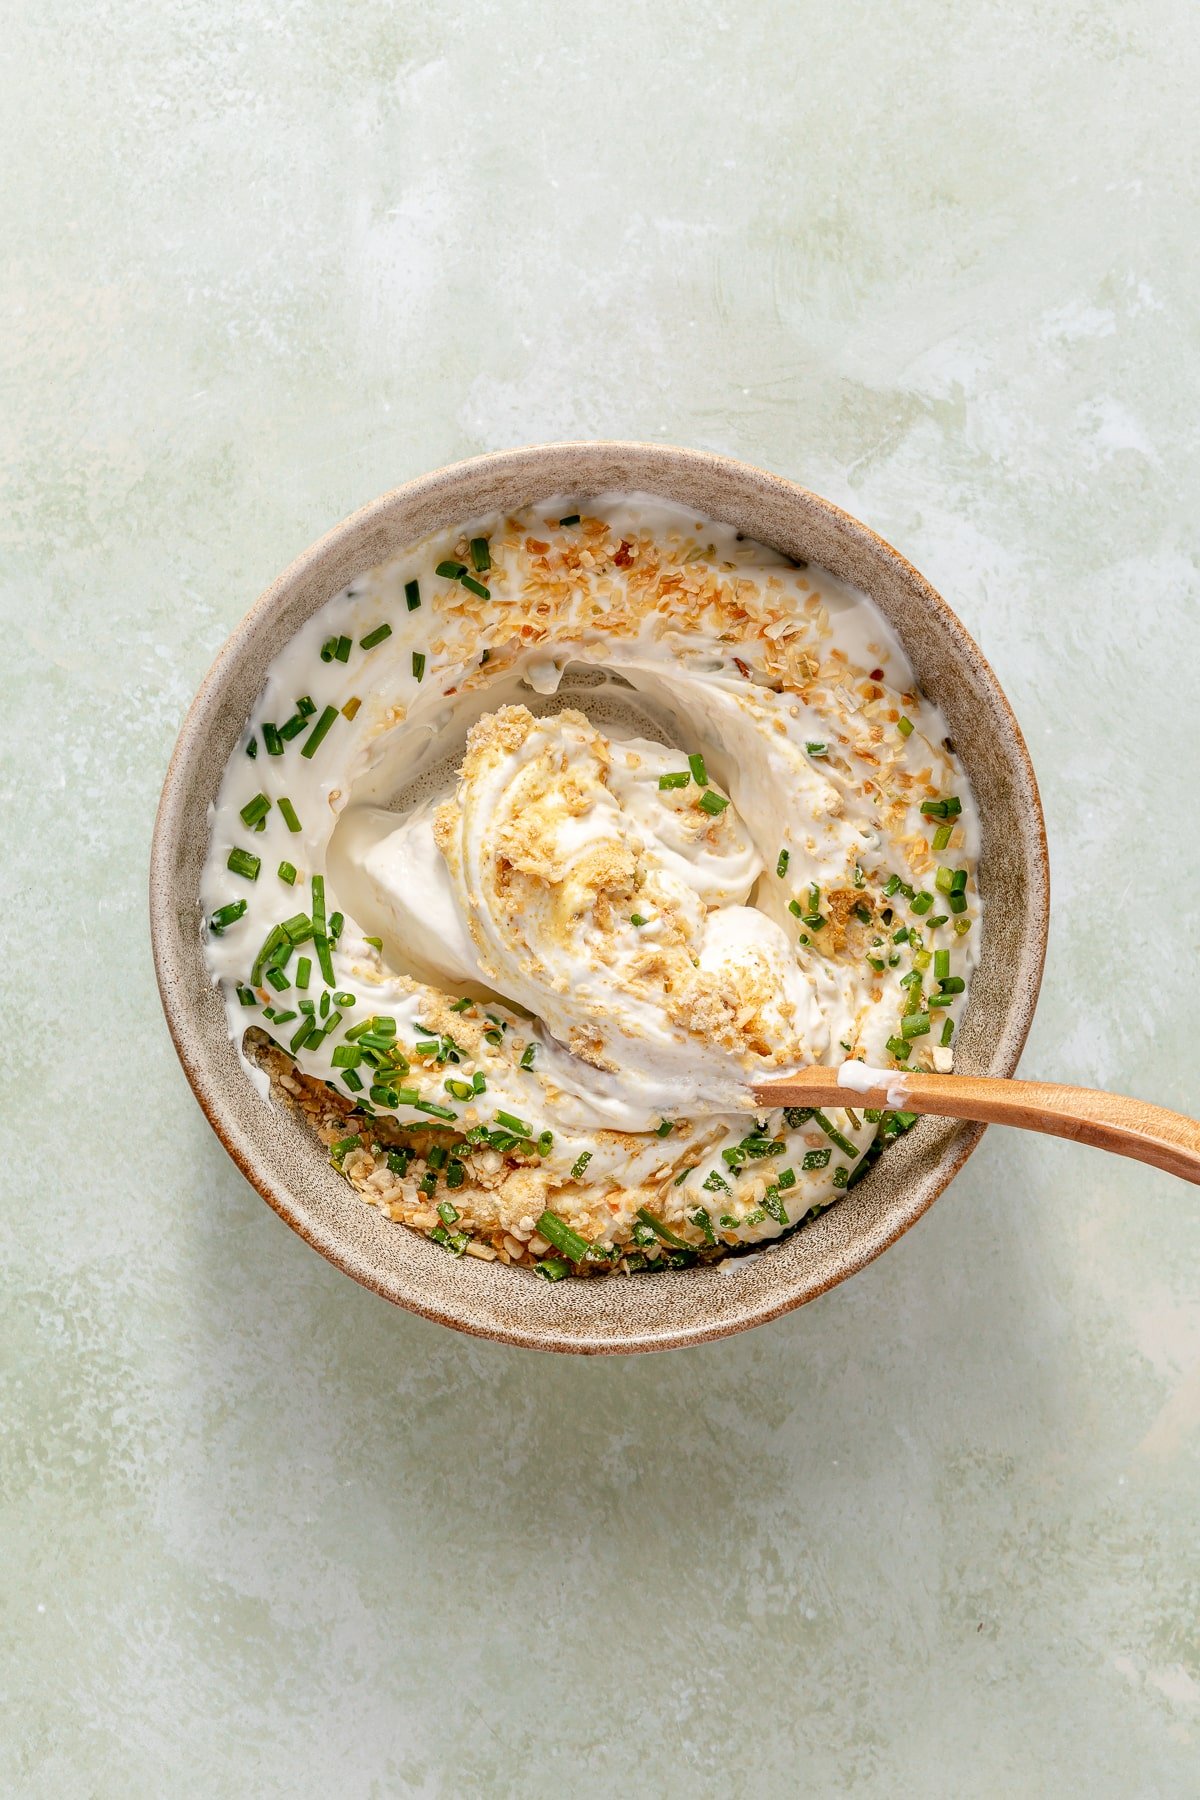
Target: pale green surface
[{"x": 933, "y": 1535}]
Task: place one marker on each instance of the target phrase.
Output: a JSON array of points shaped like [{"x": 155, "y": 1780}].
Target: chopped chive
[
  {"x": 353, "y": 1080},
  {"x": 418, "y": 665},
  {"x": 412, "y": 595},
  {"x": 319, "y": 731},
  {"x": 678, "y": 778},
  {"x": 347, "y": 1056},
  {"x": 660, "y": 1230},
  {"x": 665, "y": 1128},
  {"x": 376, "y": 943},
  {"x": 343, "y": 1147},
  {"x": 816, "y": 1159},
  {"x": 636, "y": 919},
  {"x": 478, "y": 1084},
  {"x": 786, "y": 1178},
  {"x": 306, "y": 705},
  {"x": 953, "y": 984},
  {"x": 947, "y": 1031},
  {"x": 436, "y": 1159},
  {"x": 699, "y": 772},
  {"x": 715, "y": 1183},
  {"x": 579, "y": 1166},
  {"x": 904, "y": 727},
  {"x": 252, "y": 745},
  {"x": 556, "y": 1231},
  {"x": 289, "y": 815},
  {"x": 341, "y": 650},
  {"x": 863, "y": 913},
  {"x": 942, "y": 836},
  {"x": 514, "y": 1124},
  {"x": 841, "y": 1176},
  {"x": 795, "y": 907},
  {"x": 774, "y": 1207},
  {"x": 552, "y": 1268},
  {"x": 287, "y": 872},
  {"x": 434, "y": 1111},
  {"x": 684, "y": 1173},
  {"x": 255, "y": 810},
  {"x": 898, "y": 1048},
  {"x": 458, "y": 1090},
  {"x": 817, "y": 749},
  {"x": 343, "y": 999},
  {"x": 350, "y": 710},
  {"x": 922, "y": 902},
  {"x": 277, "y": 978},
  {"x": 272, "y": 742},
  {"x": 702, "y": 1220},
  {"x": 712, "y": 803},
  {"x": 914, "y": 1025},
  {"x": 293, "y": 727},
  {"x": 481, "y": 555},
  {"x": 226, "y": 915},
  {"x": 569, "y": 519},
  {"x": 781, "y": 865},
  {"x": 831, "y": 1131},
  {"x": 450, "y": 571},
  {"x": 328, "y": 648},
  {"x": 475, "y": 587},
  {"x": 244, "y": 862},
  {"x": 527, "y": 1056},
  {"x": 318, "y": 908},
  {"x": 545, "y": 1143},
  {"x": 301, "y": 1036},
  {"x": 303, "y": 972},
  {"x": 375, "y": 637},
  {"x": 957, "y": 903},
  {"x": 247, "y": 996}
]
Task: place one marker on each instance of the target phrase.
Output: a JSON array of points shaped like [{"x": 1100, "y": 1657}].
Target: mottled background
[{"x": 936, "y": 1533}]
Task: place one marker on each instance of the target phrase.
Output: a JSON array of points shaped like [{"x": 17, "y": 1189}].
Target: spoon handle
[{"x": 1151, "y": 1134}]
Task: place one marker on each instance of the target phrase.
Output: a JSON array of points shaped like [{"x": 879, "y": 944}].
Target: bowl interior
[{"x": 290, "y": 1169}]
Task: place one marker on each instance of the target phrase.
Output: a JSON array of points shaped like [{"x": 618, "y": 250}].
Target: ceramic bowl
[{"x": 291, "y": 1170}]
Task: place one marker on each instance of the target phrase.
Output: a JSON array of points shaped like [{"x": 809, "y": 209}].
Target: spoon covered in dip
[{"x": 1137, "y": 1128}]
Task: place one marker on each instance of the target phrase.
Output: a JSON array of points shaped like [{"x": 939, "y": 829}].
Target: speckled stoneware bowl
[{"x": 290, "y": 1168}]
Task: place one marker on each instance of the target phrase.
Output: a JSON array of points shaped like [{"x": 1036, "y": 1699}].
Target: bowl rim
[{"x": 170, "y": 822}]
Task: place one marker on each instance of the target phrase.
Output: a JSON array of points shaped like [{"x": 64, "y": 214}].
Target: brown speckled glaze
[{"x": 289, "y": 1168}]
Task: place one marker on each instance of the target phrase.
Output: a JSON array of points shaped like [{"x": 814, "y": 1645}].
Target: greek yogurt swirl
[{"x": 575, "y": 829}]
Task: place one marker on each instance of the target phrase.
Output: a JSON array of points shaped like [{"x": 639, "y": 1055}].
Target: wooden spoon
[{"x": 1134, "y": 1128}]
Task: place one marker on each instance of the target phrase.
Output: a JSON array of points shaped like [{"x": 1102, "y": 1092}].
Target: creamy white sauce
[
  {"x": 861, "y": 1078},
  {"x": 498, "y": 824}
]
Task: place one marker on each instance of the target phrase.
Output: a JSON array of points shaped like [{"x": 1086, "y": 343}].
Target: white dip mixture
[{"x": 550, "y": 838}]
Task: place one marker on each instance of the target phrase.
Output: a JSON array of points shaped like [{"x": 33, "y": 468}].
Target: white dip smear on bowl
[{"x": 549, "y": 839}]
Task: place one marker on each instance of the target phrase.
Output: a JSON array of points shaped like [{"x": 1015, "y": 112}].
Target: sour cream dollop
[{"x": 652, "y": 817}]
